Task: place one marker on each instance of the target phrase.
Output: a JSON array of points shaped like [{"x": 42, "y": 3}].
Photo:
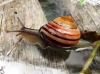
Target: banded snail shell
[{"x": 61, "y": 32}]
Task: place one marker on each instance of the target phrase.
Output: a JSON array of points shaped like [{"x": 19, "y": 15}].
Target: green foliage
[{"x": 81, "y": 1}]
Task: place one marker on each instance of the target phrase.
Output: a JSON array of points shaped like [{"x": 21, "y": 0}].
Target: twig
[
  {"x": 14, "y": 46},
  {"x": 91, "y": 57}
]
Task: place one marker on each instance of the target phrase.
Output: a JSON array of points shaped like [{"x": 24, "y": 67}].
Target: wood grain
[{"x": 30, "y": 13}]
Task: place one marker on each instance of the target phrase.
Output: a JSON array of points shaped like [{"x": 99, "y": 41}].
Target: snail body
[{"x": 62, "y": 32}]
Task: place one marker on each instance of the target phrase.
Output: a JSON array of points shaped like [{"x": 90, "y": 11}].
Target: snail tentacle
[{"x": 21, "y": 23}]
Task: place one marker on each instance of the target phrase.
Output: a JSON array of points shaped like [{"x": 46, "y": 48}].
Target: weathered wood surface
[
  {"x": 87, "y": 16},
  {"x": 30, "y": 13}
]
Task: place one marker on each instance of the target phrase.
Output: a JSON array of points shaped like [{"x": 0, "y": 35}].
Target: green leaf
[{"x": 81, "y": 1}]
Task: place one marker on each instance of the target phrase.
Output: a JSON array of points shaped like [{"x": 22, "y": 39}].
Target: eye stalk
[
  {"x": 25, "y": 30},
  {"x": 23, "y": 27}
]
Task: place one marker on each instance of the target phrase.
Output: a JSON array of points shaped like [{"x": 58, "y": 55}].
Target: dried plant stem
[
  {"x": 14, "y": 46},
  {"x": 91, "y": 57}
]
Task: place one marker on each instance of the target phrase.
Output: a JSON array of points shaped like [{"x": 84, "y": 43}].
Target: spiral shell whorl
[{"x": 62, "y": 32}]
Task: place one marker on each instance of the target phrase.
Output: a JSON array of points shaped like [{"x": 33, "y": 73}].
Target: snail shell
[{"x": 61, "y": 32}]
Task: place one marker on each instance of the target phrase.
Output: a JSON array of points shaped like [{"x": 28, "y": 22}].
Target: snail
[{"x": 61, "y": 33}]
